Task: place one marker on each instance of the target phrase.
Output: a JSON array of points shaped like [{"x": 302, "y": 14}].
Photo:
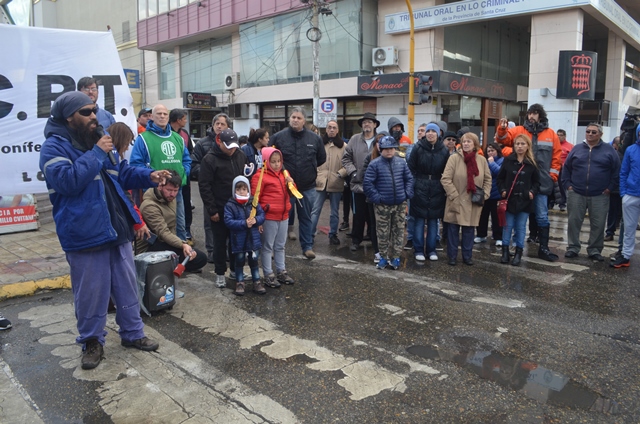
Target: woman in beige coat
[{"x": 465, "y": 170}]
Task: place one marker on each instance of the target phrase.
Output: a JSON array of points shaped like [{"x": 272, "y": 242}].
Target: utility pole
[
  {"x": 411, "y": 110},
  {"x": 315, "y": 39}
]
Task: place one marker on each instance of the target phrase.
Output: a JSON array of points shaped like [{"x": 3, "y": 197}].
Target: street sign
[{"x": 327, "y": 111}]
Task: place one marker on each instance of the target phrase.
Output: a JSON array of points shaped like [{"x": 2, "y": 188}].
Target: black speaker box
[{"x": 160, "y": 286}]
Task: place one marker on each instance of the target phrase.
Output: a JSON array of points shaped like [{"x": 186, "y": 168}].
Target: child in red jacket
[{"x": 274, "y": 199}]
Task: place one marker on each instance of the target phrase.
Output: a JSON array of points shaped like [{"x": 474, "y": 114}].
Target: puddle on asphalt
[{"x": 525, "y": 377}]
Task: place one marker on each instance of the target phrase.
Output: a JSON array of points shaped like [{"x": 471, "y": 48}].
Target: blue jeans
[
  {"x": 181, "y": 230},
  {"x": 334, "y": 200},
  {"x": 305, "y": 227},
  {"x": 418, "y": 235},
  {"x": 518, "y": 223},
  {"x": 541, "y": 209},
  {"x": 253, "y": 264}
]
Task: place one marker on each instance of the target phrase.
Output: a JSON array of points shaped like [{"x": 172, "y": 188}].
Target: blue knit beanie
[
  {"x": 68, "y": 104},
  {"x": 433, "y": 127}
]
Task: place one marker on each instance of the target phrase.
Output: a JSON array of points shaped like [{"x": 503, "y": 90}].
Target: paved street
[{"x": 542, "y": 343}]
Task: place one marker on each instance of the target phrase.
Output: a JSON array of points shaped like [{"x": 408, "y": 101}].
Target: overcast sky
[{"x": 19, "y": 10}]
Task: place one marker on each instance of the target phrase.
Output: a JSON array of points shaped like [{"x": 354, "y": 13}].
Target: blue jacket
[
  {"x": 75, "y": 179},
  {"x": 630, "y": 171},
  {"x": 140, "y": 154},
  {"x": 388, "y": 181},
  {"x": 494, "y": 167},
  {"x": 105, "y": 118},
  {"x": 243, "y": 239},
  {"x": 589, "y": 171}
]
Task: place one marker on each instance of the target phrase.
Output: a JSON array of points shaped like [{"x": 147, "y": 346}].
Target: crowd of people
[{"x": 445, "y": 186}]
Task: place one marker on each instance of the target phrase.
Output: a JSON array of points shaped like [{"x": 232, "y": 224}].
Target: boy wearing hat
[{"x": 388, "y": 184}]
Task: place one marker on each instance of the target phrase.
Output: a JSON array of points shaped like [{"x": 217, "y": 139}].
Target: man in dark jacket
[
  {"x": 303, "y": 152},
  {"x": 359, "y": 147},
  {"x": 220, "y": 166},
  {"x": 94, "y": 222},
  {"x": 589, "y": 175},
  {"x": 219, "y": 123}
]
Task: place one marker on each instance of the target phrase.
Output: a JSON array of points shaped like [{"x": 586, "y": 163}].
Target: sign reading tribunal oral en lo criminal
[{"x": 443, "y": 82}]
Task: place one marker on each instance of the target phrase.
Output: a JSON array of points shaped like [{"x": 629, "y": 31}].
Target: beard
[{"x": 88, "y": 136}]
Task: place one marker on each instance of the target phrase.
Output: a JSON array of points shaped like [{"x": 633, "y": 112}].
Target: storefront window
[
  {"x": 204, "y": 64},
  {"x": 167, "y": 75},
  {"x": 495, "y": 50},
  {"x": 277, "y": 51}
]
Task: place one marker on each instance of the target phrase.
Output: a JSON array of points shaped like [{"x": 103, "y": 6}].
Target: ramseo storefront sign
[{"x": 443, "y": 82}]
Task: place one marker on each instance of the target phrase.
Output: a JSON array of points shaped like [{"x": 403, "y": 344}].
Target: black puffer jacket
[
  {"x": 217, "y": 172},
  {"x": 427, "y": 162},
  {"x": 201, "y": 148},
  {"x": 303, "y": 152},
  {"x": 528, "y": 181}
]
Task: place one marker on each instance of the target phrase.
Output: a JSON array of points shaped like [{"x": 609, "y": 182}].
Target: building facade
[{"x": 489, "y": 58}]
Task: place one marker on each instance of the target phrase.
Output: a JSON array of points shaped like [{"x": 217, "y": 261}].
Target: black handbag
[{"x": 477, "y": 197}]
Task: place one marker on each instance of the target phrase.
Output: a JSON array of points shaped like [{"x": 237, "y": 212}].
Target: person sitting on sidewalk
[{"x": 158, "y": 210}]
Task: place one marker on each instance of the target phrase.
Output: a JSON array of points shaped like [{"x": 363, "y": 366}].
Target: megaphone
[{"x": 180, "y": 268}]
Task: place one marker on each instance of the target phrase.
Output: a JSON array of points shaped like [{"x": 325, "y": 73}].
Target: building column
[
  {"x": 551, "y": 33},
  {"x": 614, "y": 82}
]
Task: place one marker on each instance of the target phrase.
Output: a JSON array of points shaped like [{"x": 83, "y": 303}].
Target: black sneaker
[
  {"x": 144, "y": 343},
  {"x": 439, "y": 247},
  {"x": 620, "y": 262},
  {"x": 344, "y": 226},
  {"x": 409, "y": 245},
  {"x": 5, "y": 324},
  {"x": 92, "y": 354},
  {"x": 334, "y": 240}
]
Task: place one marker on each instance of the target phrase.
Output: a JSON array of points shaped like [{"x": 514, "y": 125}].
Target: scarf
[{"x": 472, "y": 170}]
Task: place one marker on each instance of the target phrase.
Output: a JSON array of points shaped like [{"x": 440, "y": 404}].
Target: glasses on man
[
  {"x": 88, "y": 112},
  {"x": 89, "y": 90},
  {"x": 591, "y": 132}
]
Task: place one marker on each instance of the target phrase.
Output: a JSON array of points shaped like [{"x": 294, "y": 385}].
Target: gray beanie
[{"x": 69, "y": 103}]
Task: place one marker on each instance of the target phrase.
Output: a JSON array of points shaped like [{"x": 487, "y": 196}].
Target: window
[
  {"x": 167, "y": 76},
  {"x": 277, "y": 51},
  {"x": 142, "y": 9},
  {"x": 494, "y": 50},
  {"x": 204, "y": 64}
]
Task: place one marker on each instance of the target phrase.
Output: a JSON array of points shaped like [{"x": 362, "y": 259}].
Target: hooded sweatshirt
[
  {"x": 630, "y": 169},
  {"x": 236, "y": 212},
  {"x": 273, "y": 196}
]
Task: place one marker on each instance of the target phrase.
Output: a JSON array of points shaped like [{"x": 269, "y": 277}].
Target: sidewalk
[{"x": 32, "y": 261}]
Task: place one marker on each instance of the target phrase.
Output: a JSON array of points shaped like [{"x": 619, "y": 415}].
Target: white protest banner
[{"x": 38, "y": 65}]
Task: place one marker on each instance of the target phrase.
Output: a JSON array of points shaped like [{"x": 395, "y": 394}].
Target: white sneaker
[
  {"x": 498, "y": 243},
  {"x": 376, "y": 258},
  {"x": 419, "y": 257},
  {"x": 221, "y": 282},
  {"x": 433, "y": 257},
  {"x": 480, "y": 240}
]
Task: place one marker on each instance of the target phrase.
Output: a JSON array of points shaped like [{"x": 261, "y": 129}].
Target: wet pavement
[{"x": 541, "y": 343}]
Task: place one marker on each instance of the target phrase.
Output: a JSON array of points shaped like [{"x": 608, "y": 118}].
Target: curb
[{"x": 29, "y": 288}]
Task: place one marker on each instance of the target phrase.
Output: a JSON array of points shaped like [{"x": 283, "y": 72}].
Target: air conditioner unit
[
  {"x": 232, "y": 81},
  {"x": 384, "y": 56}
]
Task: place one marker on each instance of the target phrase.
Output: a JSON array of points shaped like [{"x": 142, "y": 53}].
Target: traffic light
[{"x": 426, "y": 88}]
